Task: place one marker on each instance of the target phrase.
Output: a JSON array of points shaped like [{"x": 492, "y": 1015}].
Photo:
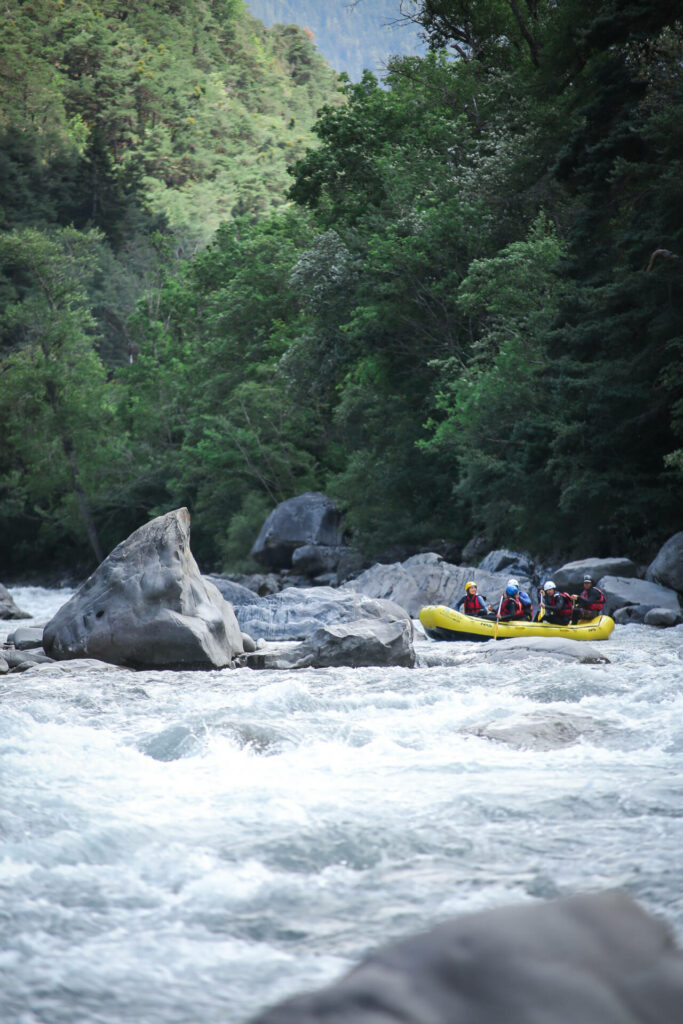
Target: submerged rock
[
  {"x": 593, "y": 959},
  {"x": 147, "y": 605},
  {"x": 540, "y": 731},
  {"x": 518, "y": 648}
]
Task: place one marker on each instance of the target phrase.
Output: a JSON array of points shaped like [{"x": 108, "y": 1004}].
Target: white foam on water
[{"x": 191, "y": 847}]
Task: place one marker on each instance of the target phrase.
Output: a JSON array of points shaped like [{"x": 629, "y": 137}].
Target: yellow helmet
[{"x": 470, "y": 584}]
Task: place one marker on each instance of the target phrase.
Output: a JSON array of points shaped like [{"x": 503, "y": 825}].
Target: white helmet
[
  {"x": 549, "y": 585},
  {"x": 513, "y": 583}
]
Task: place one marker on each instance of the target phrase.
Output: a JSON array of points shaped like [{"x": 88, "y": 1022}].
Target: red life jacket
[
  {"x": 512, "y": 606},
  {"x": 473, "y": 604},
  {"x": 567, "y": 608},
  {"x": 595, "y": 606}
]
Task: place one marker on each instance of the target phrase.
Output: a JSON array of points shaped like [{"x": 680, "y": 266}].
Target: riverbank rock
[
  {"x": 8, "y": 609},
  {"x": 663, "y": 618},
  {"x": 570, "y": 575},
  {"x": 147, "y": 605},
  {"x": 310, "y": 518},
  {"x": 620, "y": 591},
  {"x": 295, "y": 613},
  {"x": 593, "y": 959},
  {"x": 514, "y": 563},
  {"x": 667, "y": 567},
  {"x": 426, "y": 579},
  {"x": 631, "y": 613}
]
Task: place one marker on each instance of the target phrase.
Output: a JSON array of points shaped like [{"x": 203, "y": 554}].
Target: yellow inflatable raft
[{"x": 442, "y": 623}]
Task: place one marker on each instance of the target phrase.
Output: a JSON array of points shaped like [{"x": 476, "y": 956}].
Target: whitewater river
[{"x": 186, "y": 848}]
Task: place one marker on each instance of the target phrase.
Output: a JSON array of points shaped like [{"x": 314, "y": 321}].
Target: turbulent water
[{"x": 185, "y": 848}]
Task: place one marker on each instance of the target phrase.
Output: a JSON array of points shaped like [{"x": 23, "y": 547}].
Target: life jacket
[
  {"x": 512, "y": 606},
  {"x": 567, "y": 608},
  {"x": 473, "y": 604},
  {"x": 595, "y": 606}
]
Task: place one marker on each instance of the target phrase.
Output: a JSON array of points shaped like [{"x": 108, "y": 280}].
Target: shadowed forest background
[{"x": 452, "y": 302}]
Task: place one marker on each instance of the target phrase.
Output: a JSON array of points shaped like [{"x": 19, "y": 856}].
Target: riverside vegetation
[{"x": 462, "y": 314}]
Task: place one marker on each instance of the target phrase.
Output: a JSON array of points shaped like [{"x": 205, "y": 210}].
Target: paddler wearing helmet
[{"x": 472, "y": 603}]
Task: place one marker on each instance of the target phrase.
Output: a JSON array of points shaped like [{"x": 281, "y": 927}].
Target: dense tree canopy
[{"x": 465, "y": 318}]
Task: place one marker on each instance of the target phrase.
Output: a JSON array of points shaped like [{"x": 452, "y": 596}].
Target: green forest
[{"x": 452, "y": 302}]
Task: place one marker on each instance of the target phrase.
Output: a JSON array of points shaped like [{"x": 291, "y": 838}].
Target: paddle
[{"x": 500, "y": 604}]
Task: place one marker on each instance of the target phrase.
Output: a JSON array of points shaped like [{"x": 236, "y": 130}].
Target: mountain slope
[
  {"x": 198, "y": 108},
  {"x": 350, "y": 36}
]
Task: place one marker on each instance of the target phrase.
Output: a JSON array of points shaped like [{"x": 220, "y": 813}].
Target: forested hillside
[
  {"x": 352, "y": 36},
  {"x": 466, "y": 319}
]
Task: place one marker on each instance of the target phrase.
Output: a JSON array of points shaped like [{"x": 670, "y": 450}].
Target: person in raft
[
  {"x": 473, "y": 604},
  {"x": 527, "y": 605},
  {"x": 510, "y": 606},
  {"x": 589, "y": 603},
  {"x": 558, "y": 605}
]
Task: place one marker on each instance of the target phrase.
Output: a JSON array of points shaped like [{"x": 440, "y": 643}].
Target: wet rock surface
[
  {"x": 592, "y": 959},
  {"x": 147, "y": 605}
]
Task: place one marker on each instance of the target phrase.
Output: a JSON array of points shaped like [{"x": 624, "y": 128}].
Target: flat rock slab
[
  {"x": 554, "y": 647},
  {"x": 147, "y": 606},
  {"x": 26, "y": 637},
  {"x": 296, "y": 612},
  {"x": 361, "y": 644}
]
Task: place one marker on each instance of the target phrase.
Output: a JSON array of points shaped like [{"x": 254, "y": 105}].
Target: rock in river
[
  {"x": 594, "y": 959},
  {"x": 147, "y": 605}
]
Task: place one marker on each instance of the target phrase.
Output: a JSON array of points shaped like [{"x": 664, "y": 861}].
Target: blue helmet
[{"x": 511, "y": 590}]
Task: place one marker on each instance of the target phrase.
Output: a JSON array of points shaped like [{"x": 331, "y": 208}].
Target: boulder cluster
[{"x": 317, "y": 603}]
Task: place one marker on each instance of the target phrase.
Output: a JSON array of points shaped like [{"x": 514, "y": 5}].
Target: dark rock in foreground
[
  {"x": 147, "y": 605},
  {"x": 597, "y": 959}
]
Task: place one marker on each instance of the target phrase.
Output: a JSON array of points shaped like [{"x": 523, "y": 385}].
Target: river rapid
[{"x": 186, "y": 847}]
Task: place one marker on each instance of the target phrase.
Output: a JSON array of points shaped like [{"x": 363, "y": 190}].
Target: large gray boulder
[
  {"x": 570, "y": 575},
  {"x": 619, "y": 591},
  {"x": 310, "y": 518},
  {"x": 296, "y": 613},
  {"x": 147, "y": 605},
  {"x": 427, "y": 579},
  {"x": 8, "y": 609},
  {"x": 667, "y": 568},
  {"x": 595, "y": 959}
]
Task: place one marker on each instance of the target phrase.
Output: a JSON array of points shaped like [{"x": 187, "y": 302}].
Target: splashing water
[{"x": 186, "y": 848}]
